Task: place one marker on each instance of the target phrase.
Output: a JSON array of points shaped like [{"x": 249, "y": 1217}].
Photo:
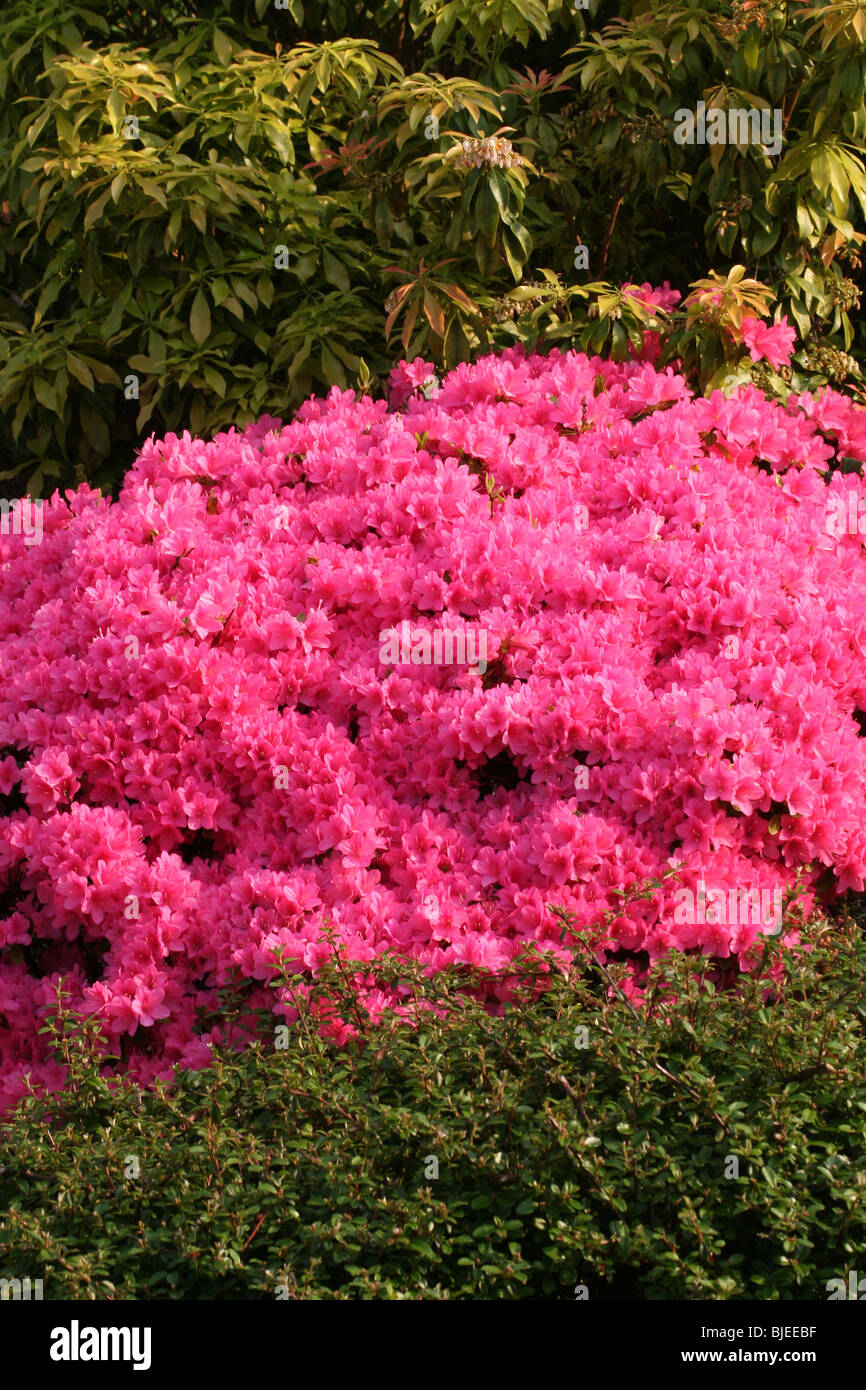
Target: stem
[{"x": 604, "y": 250}]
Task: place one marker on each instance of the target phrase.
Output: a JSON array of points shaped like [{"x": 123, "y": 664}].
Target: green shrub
[
  {"x": 308, "y": 1172},
  {"x": 315, "y": 128}
]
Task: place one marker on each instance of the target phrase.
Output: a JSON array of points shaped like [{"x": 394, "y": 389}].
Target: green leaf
[
  {"x": 305, "y": 265},
  {"x": 116, "y": 108},
  {"x": 95, "y": 211},
  {"x": 103, "y": 373},
  {"x": 173, "y": 228},
  {"x": 486, "y": 210},
  {"x": 383, "y": 221},
  {"x": 95, "y": 429},
  {"x": 821, "y": 171},
  {"x": 280, "y": 140},
  {"x": 47, "y": 298},
  {"x": 44, "y": 393},
  {"x": 245, "y": 292},
  {"x": 199, "y": 319},
  {"x": 21, "y": 414},
  {"x": 300, "y": 356},
  {"x": 153, "y": 190},
  {"x": 222, "y": 47},
  {"x": 501, "y": 191},
  {"x": 512, "y": 245},
  {"x": 80, "y": 371},
  {"x": 334, "y": 271},
  {"x": 332, "y": 368},
  {"x": 215, "y": 380},
  {"x": 764, "y": 241}
]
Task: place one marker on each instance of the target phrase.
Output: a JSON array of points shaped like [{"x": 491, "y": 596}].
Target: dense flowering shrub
[{"x": 204, "y": 758}]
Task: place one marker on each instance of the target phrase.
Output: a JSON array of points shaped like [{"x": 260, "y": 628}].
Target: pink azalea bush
[{"x": 204, "y": 757}]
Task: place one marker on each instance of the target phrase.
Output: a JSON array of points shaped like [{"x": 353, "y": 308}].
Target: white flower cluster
[{"x": 488, "y": 152}]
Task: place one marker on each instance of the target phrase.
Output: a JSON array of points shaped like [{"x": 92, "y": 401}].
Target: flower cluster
[
  {"x": 487, "y": 152},
  {"x": 203, "y": 758},
  {"x": 824, "y": 357}
]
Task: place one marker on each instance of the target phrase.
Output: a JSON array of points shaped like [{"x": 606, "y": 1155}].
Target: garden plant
[{"x": 433, "y": 653}]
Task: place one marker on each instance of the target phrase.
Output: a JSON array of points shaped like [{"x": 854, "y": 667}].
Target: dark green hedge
[{"x": 308, "y": 1172}]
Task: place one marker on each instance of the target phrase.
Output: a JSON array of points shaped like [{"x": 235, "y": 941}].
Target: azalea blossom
[
  {"x": 203, "y": 758},
  {"x": 775, "y": 342}
]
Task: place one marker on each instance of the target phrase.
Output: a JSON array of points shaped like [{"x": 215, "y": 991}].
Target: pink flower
[
  {"x": 774, "y": 342},
  {"x": 407, "y": 377},
  {"x": 216, "y": 760}
]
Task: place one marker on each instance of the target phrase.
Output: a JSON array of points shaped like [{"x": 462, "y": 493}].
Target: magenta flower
[
  {"x": 203, "y": 757},
  {"x": 775, "y": 342}
]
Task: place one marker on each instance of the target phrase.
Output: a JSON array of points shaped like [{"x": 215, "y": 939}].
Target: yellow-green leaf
[
  {"x": 222, "y": 47},
  {"x": 79, "y": 370},
  {"x": 103, "y": 372},
  {"x": 95, "y": 211},
  {"x": 115, "y": 109},
  {"x": 821, "y": 172},
  {"x": 215, "y": 380},
  {"x": 153, "y": 190}
]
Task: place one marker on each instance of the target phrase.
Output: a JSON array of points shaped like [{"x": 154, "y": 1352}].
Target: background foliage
[
  {"x": 559, "y": 1164},
  {"x": 309, "y": 127}
]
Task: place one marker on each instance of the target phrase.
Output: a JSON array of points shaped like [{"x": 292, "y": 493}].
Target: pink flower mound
[{"x": 203, "y": 755}]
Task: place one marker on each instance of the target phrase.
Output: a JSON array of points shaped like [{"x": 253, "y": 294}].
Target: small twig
[
  {"x": 252, "y": 1233},
  {"x": 575, "y": 1097},
  {"x": 606, "y": 244},
  {"x": 808, "y": 1071},
  {"x": 604, "y": 970}
]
